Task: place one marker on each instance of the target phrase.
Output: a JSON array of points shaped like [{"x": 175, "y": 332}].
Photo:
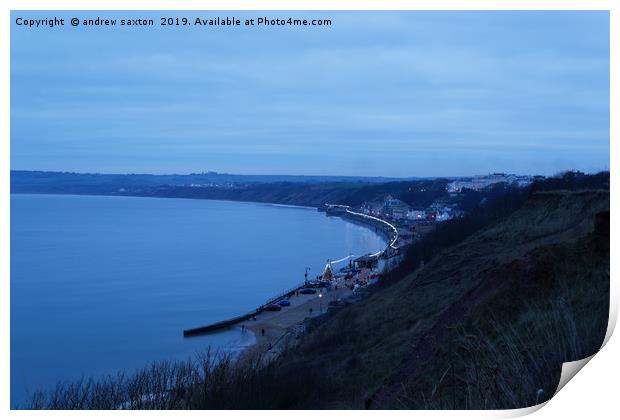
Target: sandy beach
[{"x": 269, "y": 327}]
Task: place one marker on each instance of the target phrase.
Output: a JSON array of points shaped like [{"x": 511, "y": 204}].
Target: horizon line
[{"x": 305, "y": 175}]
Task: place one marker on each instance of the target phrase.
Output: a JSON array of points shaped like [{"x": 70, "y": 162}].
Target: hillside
[
  {"x": 485, "y": 324},
  {"x": 290, "y": 190}
]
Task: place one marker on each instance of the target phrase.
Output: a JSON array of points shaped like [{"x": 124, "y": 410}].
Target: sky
[{"x": 374, "y": 94}]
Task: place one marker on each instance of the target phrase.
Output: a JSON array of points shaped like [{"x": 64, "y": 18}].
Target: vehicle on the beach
[
  {"x": 308, "y": 291},
  {"x": 273, "y": 307},
  {"x": 284, "y": 302}
]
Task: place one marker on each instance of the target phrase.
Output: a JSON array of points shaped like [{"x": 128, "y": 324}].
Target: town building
[
  {"x": 416, "y": 214},
  {"x": 482, "y": 182},
  {"x": 395, "y": 208}
]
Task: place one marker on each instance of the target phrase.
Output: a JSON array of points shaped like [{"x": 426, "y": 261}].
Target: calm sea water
[{"x": 100, "y": 284}]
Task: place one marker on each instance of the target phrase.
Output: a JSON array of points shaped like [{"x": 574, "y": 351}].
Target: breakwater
[
  {"x": 381, "y": 227},
  {"x": 235, "y": 320}
]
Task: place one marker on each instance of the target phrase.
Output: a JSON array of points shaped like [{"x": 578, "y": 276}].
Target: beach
[{"x": 270, "y": 327}]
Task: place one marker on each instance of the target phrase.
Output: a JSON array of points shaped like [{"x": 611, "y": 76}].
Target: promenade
[{"x": 269, "y": 327}]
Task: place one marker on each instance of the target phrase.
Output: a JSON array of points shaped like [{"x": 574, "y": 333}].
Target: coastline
[
  {"x": 275, "y": 324},
  {"x": 273, "y": 331},
  {"x": 378, "y": 230},
  {"x": 316, "y": 257},
  {"x": 270, "y": 328},
  {"x": 267, "y": 203}
]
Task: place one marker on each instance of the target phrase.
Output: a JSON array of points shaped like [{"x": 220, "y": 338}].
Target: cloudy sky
[{"x": 377, "y": 93}]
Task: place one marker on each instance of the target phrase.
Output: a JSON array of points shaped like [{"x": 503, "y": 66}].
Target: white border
[{"x": 592, "y": 394}]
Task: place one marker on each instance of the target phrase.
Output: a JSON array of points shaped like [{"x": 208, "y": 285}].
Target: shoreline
[
  {"x": 277, "y": 324},
  {"x": 271, "y": 329},
  {"x": 164, "y": 197},
  {"x": 374, "y": 228}
]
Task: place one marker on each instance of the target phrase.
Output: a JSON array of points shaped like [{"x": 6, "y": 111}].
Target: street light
[{"x": 320, "y": 303}]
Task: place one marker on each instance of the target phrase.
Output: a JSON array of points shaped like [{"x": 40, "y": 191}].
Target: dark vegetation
[
  {"x": 50, "y": 179},
  {"x": 422, "y": 193},
  {"x": 502, "y": 201},
  {"x": 533, "y": 302},
  {"x": 213, "y": 381},
  {"x": 278, "y": 189},
  {"x": 292, "y": 190},
  {"x": 481, "y": 314}
]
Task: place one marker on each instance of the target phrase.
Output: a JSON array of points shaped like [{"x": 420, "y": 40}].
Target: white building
[{"x": 482, "y": 182}]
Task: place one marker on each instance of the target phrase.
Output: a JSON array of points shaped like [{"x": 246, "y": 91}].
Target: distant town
[
  {"x": 410, "y": 219},
  {"x": 476, "y": 183},
  {"x": 411, "y": 202}
]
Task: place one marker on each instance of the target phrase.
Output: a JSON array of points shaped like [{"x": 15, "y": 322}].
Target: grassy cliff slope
[{"x": 485, "y": 324}]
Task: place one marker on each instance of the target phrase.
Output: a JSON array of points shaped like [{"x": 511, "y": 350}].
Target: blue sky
[{"x": 377, "y": 93}]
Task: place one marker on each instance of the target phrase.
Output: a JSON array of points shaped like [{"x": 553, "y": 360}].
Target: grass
[{"x": 393, "y": 349}]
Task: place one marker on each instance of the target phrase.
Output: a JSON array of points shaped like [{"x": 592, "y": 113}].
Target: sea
[{"x": 106, "y": 284}]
